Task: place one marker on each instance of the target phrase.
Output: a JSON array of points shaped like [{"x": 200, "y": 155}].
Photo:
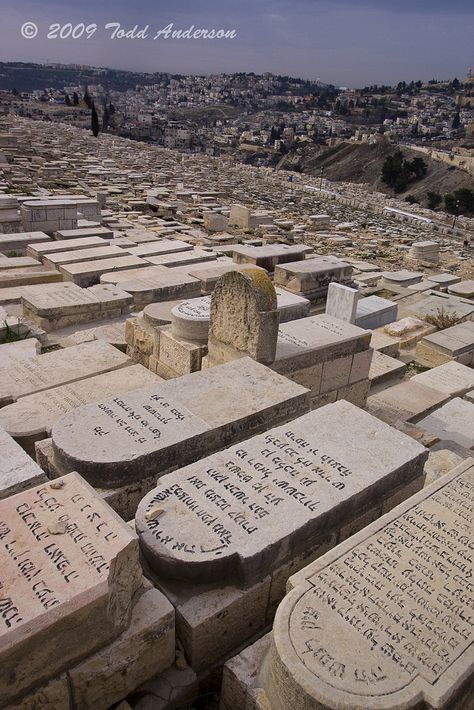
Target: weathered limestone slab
[
  {"x": 83, "y": 232},
  {"x": 244, "y": 318},
  {"x": 434, "y": 304},
  {"x": 69, "y": 572},
  {"x": 256, "y": 504},
  {"x": 408, "y": 401},
  {"x": 455, "y": 343},
  {"x": 311, "y": 277},
  {"x": 57, "y": 259},
  {"x": 145, "y": 432},
  {"x": 375, "y": 312},
  {"x": 70, "y": 304},
  {"x": 143, "y": 650},
  {"x": 270, "y": 255},
  {"x": 382, "y": 620},
  {"x": 182, "y": 258},
  {"x": 33, "y": 416},
  {"x": 163, "y": 286},
  {"x": 59, "y": 367},
  {"x": 55, "y": 247},
  {"x": 463, "y": 289},
  {"x": 17, "y": 470},
  {"x": 209, "y": 274},
  {"x": 290, "y": 306},
  {"x": 88, "y": 273},
  {"x": 11, "y": 353},
  {"x": 385, "y": 344},
  {"x": 451, "y": 378},
  {"x": 144, "y": 272},
  {"x": 454, "y": 421},
  {"x": 19, "y": 241},
  {"x": 310, "y": 341},
  {"x": 385, "y": 370},
  {"x": 222, "y": 536},
  {"x": 159, "y": 247},
  {"x": 401, "y": 278},
  {"x": 341, "y": 302}
]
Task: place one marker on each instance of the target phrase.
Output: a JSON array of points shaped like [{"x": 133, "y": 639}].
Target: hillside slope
[{"x": 357, "y": 162}]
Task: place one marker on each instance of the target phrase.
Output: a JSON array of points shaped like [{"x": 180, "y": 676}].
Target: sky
[{"x": 344, "y": 42}]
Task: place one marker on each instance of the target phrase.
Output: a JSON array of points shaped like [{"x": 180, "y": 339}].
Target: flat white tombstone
[
  {"x": 342, "y": 302},
  {"x": 237, "y": 515},
  {"x": 126, "y": 438},
  {"x": 69, "y": 570},
  {"x": 59, "y": 367},
  {"x": 382, "y": 621}
]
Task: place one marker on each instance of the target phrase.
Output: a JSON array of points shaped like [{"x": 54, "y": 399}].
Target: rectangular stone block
[{"x": 69, "y": 571}]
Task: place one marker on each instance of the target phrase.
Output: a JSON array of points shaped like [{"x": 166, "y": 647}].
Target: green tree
[
  {"x": 88, "y": 99},
  {"x": 460, "y": 202},
  {"x": 94, "y": 121},
  {"x": 434, "y": 199},
  {"x": 75, "y": 99},
  {"x": 456, "y": 121},
  {"x": 67, "y": 100}
]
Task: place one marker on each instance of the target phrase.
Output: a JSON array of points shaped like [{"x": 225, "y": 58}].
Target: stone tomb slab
[
  {"x": 57, "y": 259},
  {"x": 88, "y": 273},
  {"x": 270, "y": 255},
  {"x": 408, "y": 401},
  {"x": 55, "y": 247},
  {"x": 258, "y": 512},
  {"x": 309, "y": 341},
  {"x": 17, "y": 470},
  {"x": 161, "y": 287},
  {"x": 19, "y": 241},
  {"x": 254, "y": 505},
  {"x": 454, "y": 421},
  {"x": 59, "y": 367},
  {"x": 209, "y": 274},
  {"x": 145, "y": 432},
  {"x": 70, "y": 304},
  {"x": 159, "y": 247},
  {"x": 382, "y": 621},
  {"x": 11, "y": 353},
  {"x": 452, "y": 379},
  {"x": 182, "y": 258},
  {"x": 375, "y": 312},
  {"x": 311, "y": 277},
  {"x": 69, "y": 571},
  {"x": 32, "y": 417}
]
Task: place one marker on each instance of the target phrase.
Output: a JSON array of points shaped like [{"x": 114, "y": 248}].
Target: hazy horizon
[{"x": 342, "y": 43}]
